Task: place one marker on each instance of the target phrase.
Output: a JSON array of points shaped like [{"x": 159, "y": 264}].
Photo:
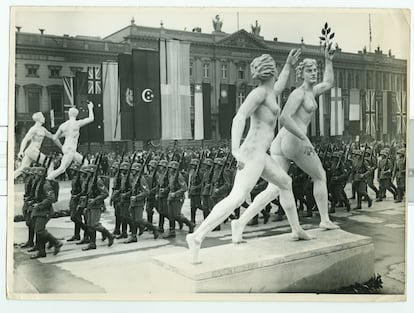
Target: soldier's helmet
[
  {"x": 173, "y": 164},
  {"x": 357, "y": 152},
  {"x": 163, "y": 163},
  {"x": 401, "y": 151},
  {"x": 75, "y": 166},
  {"x": 218, "y": 161},
  {"x": 91, "y": 168},
  {"x": 38, "y": 170},
  {"x": 383, "y": 152},
  {"x": 84, "y": 169},
  {"x": 26, "y": 170},
  {"x": 136, "y": 166},
  {"x": 194, "y": 162},
  {"x": 124, "y": 166},
  {"x": 208, "y": 161},
  {"x": 115, "y": 165},
  {"x": 152, "y": 163}
]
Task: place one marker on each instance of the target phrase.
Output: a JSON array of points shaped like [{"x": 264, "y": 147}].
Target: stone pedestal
[{"x": 332, "y": 260}]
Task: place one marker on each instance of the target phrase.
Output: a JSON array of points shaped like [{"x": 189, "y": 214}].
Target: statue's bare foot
[
  {"x": 301, "y": 235},
  {"x": 328, "y": 225},
  {"x": 194, "y": 247},
  {"x": 236, "y": 232}
]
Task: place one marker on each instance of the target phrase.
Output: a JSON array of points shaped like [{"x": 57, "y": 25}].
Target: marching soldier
[
  {"x": 28, "y": 178},
  {"x": 338, "y": 181},
  {"x": 97, "y": 193},
  {"x": 207, "y": 172},
  {"x": 162, "y": 193},
  {"x": 177, "y": 188},
  {"x": 75, "y": 214},
  {"x": 372, "y": 161},
  {"x": 361, "y": 169},
  {"x": 385, "y": 167},
  {"x": 115, "y": 199},
  {"x": 400, "y": 174},
  {"x": 152, "y": 180},
  {"x": 124, "y": 199},
  {"x": 41, "y": 212},
  {"x": 194, "y": 193},
  {"x": 140, "y": 191}
]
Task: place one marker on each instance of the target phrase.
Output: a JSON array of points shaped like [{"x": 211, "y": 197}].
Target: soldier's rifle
[
  {"x": 197, "y": 170},
  {"x": 117, "y": 181},
  {"x": 141, "y": 172},
  {"x": 92, "y": 187}
]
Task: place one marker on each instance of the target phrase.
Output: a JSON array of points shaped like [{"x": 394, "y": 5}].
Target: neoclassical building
[{"x": 216, "y": 58}]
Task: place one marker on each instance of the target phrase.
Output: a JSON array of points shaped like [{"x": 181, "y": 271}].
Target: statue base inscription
[{"x": 332, "y": 260}]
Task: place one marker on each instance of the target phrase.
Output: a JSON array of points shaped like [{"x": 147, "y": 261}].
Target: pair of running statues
[{"x": 290, "y": 144}]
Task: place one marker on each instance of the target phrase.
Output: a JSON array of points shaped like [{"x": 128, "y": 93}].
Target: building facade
[{"x": 216, "y": 58}]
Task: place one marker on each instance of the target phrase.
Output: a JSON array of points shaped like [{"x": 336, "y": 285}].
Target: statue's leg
[
  {"x": 244, "y": 182},
  {"x": 64, "y": 164},
  {"x": 311, "y": 165},
  {"x": 78, "y": 157},
  {"x": 25, "y": 163},
  {"x": 277, "y": 175}
]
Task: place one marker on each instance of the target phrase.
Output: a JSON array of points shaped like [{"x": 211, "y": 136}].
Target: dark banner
[
  {"x": 227, "y": 109},
  {"x": 96, "y": 129},
  {"x": 147, "y": 97},
  {"x": 80, "y": 88},
  {"x": 126, "y": 96},
  {"x": 206, "y": 89}
]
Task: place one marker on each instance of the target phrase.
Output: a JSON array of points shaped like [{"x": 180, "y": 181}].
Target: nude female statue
[
  {"x": 253, "y": 161},
  {"x": 292, "y": 144},
  {"x": 35, "y": 135},
  {"x": 70, "y": 130}
]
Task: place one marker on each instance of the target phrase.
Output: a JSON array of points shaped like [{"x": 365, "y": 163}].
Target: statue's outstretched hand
[
  {"x": 90, "y": 105},
  {"x": 293, "y": 56},
  {"x": 330, "y": 51}
]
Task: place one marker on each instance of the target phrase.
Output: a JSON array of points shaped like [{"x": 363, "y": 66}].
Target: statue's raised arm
[
  {"x": 90, "y": 118},
  {"x": 328, "y": 75}
]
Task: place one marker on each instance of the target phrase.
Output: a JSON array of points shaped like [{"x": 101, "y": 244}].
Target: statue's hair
[
  {"x": 263, "y": 67},
  {"x": 73, "y": 112},
  {"x": 305, "y": 63},
  {"x": 36, "y": 116}
]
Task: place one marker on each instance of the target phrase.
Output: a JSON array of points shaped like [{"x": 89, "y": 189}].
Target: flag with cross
[{"x": 370, "y": 110}]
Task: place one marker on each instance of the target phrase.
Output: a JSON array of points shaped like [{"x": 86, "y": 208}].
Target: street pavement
[{"x": 124, "y": 269}]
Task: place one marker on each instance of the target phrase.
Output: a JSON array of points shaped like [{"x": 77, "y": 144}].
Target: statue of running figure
[
  {"x": 70, "y": 130},
  {"x": 253, "y": 161},
  {"x": 291, "y": 143},
  {"x": 35, "y": 135}
]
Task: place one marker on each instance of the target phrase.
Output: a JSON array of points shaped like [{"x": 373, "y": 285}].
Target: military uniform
[
  {"x": 42, "y": 210},
  {"x": 207, "y": 173},
  {"x": 385, "y": 167},
  {"x": 124, "y": 199},
  {"x": 162, "y": 194},
  {"x": 76, "y": 191},
  {"x": 372, "y": 163},
  {"x": 177, "y": 188},
  {"x": 361, "y": 169},
  {"x": 152, "y": 180},
  {"x": 400, "y": 165},
  {"x": 195, "y": 183},
  {"x": 338, "y": 179},
  {"x": 28, "y": 197},
  {"x": 95, "y": 205},
  {"x": 116, "y": 199}
]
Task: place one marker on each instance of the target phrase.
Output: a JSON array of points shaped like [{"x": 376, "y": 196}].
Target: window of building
[
  {"x": 341, "y": 80},
  {"x": 398, "y": 87},
  {"x": 378, "y": 81},
  {"x": 392, "y": 82},
  {"x": 349, "y": 81},
  {"x": 32, "y": 70},
  {"x": 191, "y": 68},
  {"x": 192, "y": 95},
  {"x": 54, "y": 71},
  {"x": 224, "y": 70},
  {"x": 404, "y": 85},
  {"x": 385, "y": 81},
  {"x": 206, "y": 70},
  {"x": 357, "y": 81},
  {"x": 241, "y": 71},
  {"x": 33, "y": 100}
]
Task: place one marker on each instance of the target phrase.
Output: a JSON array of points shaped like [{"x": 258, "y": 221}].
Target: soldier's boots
[
  {"x": 28, "y": 244},
  {"x": 132, "y": 239},
  {"x": 39, "y": 254},
  {"x": 254, "y": 221},
  {"x": 57, "y": 246},
  {"x": 90, "y": 246},
  {"x": 85, "y": 240},
  {"x": 33, "y": 249},
  {"x": 170, "y": 234},
  {"x": 122, "y": 235},
  {"x": 369, "y": 202},
  {"x": 74, "y": 238},
  {"x": 155, "y": 232}
]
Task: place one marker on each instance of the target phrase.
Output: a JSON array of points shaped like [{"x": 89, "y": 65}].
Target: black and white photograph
[{"x": 166, "y": 153}]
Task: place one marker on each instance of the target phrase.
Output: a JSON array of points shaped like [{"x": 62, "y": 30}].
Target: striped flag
[
  {"x": 354, "y": 111},
  {"x": 337, "y": 112},
  {"x": 175, "y": 89},
  {"x": 94, "y": 80},
  {"x": 370, "y": 116},
  {"x": 401, "y": 111},
  {"x": 68, "y": 93}
]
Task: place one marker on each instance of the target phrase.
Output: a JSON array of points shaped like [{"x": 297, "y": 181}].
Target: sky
[{"x": 389, "y": 27}]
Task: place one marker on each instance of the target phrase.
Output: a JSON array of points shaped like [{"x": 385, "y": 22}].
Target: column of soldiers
[{"x": 158, "y": 183}]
